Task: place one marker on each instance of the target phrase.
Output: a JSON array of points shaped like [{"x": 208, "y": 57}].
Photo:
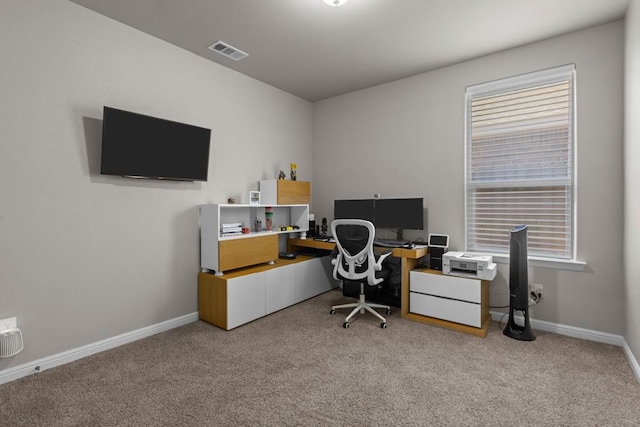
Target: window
[{"x": 520, "y": 163}]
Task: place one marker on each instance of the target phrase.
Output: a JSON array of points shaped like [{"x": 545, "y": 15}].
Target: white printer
[{"x": 475, "y": 266}]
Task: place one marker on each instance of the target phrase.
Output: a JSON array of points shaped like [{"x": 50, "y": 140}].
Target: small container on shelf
[{"x": 268, "y": 218}]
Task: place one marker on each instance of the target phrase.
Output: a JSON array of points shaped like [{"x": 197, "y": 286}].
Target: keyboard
[{"x": 388, "y": 243}]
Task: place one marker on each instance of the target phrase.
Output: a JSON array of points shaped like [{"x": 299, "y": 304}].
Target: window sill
[{"x": 558, "y": 264}]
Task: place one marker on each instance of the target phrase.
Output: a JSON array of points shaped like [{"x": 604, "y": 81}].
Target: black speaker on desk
[
  {"x": 312, "y": 228},
  {"x": 438, "y": 245}
]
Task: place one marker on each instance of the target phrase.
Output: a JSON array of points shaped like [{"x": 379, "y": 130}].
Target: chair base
[{"x": 362, "y": 306}]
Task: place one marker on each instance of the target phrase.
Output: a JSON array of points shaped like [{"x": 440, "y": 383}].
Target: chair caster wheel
[
  {"x": 383, "y": 325},
  {"x": 332, "y": 312},
  {"x": 345, "y": 325},
  {"x": 388, "y": 311}
]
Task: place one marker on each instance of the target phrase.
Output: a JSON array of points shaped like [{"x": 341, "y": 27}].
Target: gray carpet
[{"x": 300, "y": 367}]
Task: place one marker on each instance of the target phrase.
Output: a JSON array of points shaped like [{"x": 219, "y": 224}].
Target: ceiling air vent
[{"x": 228, "y": 51}]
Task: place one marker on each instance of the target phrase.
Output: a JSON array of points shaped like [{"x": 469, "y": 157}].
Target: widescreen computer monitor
[
  {"x": 356, "y": 209},
  {"x": 399, "y": 214}
]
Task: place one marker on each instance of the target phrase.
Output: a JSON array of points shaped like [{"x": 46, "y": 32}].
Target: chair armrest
[{"x": 380, "y": 259}]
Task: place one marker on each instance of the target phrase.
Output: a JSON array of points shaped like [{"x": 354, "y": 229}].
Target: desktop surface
[
  {"x": 385, "y": 243},
  {"x": 390, "y": 243}
]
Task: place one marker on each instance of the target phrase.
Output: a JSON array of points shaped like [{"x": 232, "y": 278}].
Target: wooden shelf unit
[{"x": 221, "y": 253}]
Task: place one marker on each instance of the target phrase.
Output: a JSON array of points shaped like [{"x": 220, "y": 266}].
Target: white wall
[
  {"x": 406, "y": 138},
  {"x": 632, "y": 177},
  {"x": 85, "y": 257}
]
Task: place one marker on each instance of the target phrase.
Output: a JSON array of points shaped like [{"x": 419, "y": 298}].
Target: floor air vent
[{"x": 228, "y": 51}]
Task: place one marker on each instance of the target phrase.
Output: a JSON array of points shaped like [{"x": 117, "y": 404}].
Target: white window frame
[{"x": 530, "y": 80}]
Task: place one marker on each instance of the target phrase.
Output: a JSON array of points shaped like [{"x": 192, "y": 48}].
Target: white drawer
[
  {"x": 245, "y": 299},
  {"x": 460, "y": 288},
  {"x": 446, "y": 309}
]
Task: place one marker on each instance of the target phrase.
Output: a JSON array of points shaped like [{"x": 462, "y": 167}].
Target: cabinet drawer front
[
  {"x": 460, "y": 288},
  {"x": 245, "y": 299},
  {"x": 240, "y": 253},
  {"x": 446, "y": 309},
  {"x": 293, "y": 192},
  {"x": 280, "y": 288},
  {"x": 313, "y": 277}
]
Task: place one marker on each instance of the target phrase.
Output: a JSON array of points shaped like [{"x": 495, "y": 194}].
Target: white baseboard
[
  {"x": 635, "y": 367},
  {"x": 570, "y": 331},
  {"x": 586, "y": 334},
  {"x": 87, "y": 350}
]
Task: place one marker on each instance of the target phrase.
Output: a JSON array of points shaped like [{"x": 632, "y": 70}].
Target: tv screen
[
  {"x": 139, "y": 146},
  {"x": 399, "y": 213},
  {"x": 358, "y": 209}
]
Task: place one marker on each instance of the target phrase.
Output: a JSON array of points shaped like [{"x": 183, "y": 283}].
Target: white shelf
[{"x": 213, "y": 215}]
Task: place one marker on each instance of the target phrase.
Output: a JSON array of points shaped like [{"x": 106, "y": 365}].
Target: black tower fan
[{"x": 518, "y": 285}]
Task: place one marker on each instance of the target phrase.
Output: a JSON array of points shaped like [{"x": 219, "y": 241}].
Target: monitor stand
[{"x": 399, "y": 235}]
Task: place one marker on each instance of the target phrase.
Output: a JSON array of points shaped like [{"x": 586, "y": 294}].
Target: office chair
[{"x": 355, "y": 261}]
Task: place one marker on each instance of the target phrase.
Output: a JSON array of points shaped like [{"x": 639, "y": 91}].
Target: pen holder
[{"x": 257, "y": 225}]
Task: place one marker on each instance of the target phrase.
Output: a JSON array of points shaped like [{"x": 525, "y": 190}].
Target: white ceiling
[{"x": 316, "y": 51}]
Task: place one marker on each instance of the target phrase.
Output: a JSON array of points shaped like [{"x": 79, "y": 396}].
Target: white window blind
[{"x": 519, "y": 162}]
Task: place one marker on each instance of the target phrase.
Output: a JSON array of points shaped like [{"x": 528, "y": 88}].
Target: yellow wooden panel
[
  {"x": 263, "y": 267},
  {"x": 238, "y": 253},
  {"x": 212, "y": 299},
  {"x": 294, "y": 192},
  {"x": 484, "y": 302},
  {"x": 293, "y": 244}
]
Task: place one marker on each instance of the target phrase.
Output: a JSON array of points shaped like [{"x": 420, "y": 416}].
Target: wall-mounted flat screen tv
[{"x": 139, "y": 146}]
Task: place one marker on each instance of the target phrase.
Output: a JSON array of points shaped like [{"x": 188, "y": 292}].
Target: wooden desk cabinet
[
  {"x": 221, "y": 253},
  {"x": 428, "y": 296},
  {"x": 246, "y": 294}
]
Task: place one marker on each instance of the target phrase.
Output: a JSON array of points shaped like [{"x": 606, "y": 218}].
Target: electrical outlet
[
  {"x": 536, "y": 289},
  {"x": 8, "y": 323}
]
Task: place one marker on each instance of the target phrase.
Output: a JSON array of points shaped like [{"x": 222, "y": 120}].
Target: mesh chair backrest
[{"x": 354, "y": 239}]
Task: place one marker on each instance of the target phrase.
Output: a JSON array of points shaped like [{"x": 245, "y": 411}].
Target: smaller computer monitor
[
  {"x": 354, "y": 209},
  {"x": 438, "y": 240},
  {"x": 399, "y": 213}
]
